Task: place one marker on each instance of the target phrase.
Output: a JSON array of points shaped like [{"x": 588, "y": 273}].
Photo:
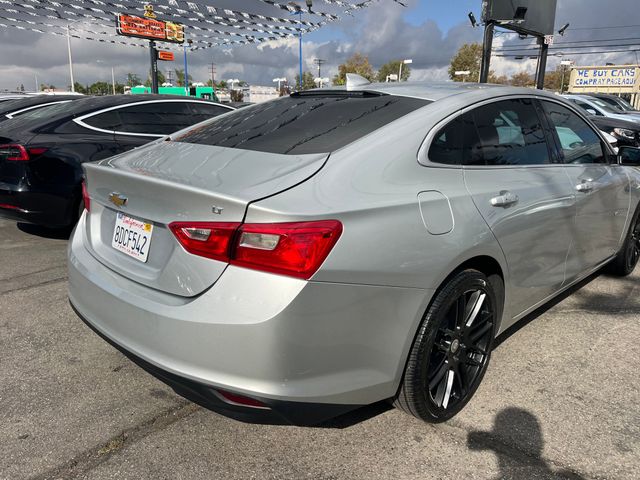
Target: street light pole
[
  {"x": 113, "y": 81},
  {"x": 73, "y": 88},
  {"x": 403, "y": 62},
  {"x": 298, "y": 10},
  {"x": 300, "y": 26}
]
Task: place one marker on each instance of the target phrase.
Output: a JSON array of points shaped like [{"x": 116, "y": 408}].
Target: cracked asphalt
[{"x": 561, "y": 399}]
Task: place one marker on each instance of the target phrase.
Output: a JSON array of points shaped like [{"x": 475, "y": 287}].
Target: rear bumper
[
  {"x": 283, "y": 341},
  {"x": 38, "y": 207},
  {"x": 278, "y": 412}
]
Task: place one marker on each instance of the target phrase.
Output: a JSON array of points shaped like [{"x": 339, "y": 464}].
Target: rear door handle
[
  {"x": 585, "y": 187},
  {"x": 505, "y": 199}
]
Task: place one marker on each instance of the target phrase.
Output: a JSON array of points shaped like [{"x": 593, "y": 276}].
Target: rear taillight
[
  {"x": 85, "y": 197},
  {"x": 14, "y": 153},
  {"x": 211, "y": 240},
  {"x": 295, "y": 249},
  {"x": 18, "y": 153}
]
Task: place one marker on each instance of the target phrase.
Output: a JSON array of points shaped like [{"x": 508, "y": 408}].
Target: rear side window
[
  {"x": 160, "y": 118},
  {"x": 452, "y": 145},
  {"x": 202, "y": 111},
  {"x": 578, "y": 142},
  {"x": 306, "y": 123},
  {"x": 106, "y": 121},
  {"x": 507, "y": 132}
]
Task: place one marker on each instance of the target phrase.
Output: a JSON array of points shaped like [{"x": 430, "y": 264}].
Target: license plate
[{"x": 132, "y": 237}]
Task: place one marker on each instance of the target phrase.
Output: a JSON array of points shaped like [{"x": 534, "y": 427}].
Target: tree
[
  {"x": 358, "y": 64},
  {"x": 468, "y": 57},
  {"x": 554, "y": 79},
  {"x": 180, "y": 77},
  {"x": 236, "y": 95},
  {"x": 79, "y": 88},
  {"x": 100, "y": 88},
  {"x": 161, "y": 79},
  {"x": 307, "y": 81},
  {"x": 133, "y": 79},
  {"x": 521, "y": 79},
  {"x": 393, "y": 67},
  {"x": 501, "y": 80}
]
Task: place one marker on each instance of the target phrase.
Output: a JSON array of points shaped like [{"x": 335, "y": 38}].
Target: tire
[
  {"x": 451, "y": 352},
  {"x": 627, "y": 258}
]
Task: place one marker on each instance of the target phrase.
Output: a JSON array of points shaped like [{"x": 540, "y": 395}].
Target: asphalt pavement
[{"x": 561, "y": 399}]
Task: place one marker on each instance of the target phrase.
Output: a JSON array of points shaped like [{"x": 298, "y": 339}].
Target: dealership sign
[
  {"x": 618, "y": 78},
  {"x": 149, "y": 28},
  {"x": 165, "y": 56}
]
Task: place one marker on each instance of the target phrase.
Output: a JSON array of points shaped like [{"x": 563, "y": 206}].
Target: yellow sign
[
  {"x": 174, "y": 32},
  {"x": 609, "y": 78},
  {"x": 148, "y": 11}
]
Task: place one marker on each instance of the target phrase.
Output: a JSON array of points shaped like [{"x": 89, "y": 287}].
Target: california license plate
[{"x": 132, "y": 237}]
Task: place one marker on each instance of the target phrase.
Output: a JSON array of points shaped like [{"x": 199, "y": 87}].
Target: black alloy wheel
[
  {"x": 625, "y": 262},
  {"x": 452, "y": 349}
]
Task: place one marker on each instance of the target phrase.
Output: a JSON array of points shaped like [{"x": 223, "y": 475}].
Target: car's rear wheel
[
  {"x": 625, "y": 262},
  {"x": 452, "y": 348}
]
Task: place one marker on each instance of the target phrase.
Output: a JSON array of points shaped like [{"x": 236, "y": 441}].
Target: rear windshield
[{"x": 303, "y": 123}]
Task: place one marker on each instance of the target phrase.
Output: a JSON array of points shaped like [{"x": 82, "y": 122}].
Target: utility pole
[
  {"x": 319, "y": 62},
  {"x": 153, "y": 55},
  {"x": 213, "y": 75}
]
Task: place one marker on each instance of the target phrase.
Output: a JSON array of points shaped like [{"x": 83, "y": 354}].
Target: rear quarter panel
[{"x": 372, "y": 187}]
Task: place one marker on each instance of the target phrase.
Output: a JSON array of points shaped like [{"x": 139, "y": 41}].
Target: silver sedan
[{"x": 296, "y": 259}]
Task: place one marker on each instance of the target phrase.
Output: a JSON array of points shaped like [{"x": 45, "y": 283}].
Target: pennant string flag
[{"x": 205, "y": 25}]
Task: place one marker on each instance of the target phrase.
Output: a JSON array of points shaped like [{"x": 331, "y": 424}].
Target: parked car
[
  {"x": 21, "y": 106},
  {"x": 615, "y": 102},
  {"x": 623, "y": 132},
  {"x": 296, "y": 259},
  {"x": 41, "y": 152},
  {"x": 597, "y": 107}
]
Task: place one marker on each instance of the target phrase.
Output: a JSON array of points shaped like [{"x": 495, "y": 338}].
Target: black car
[
  {"x": 20, "y": 106},
  {"x": 624, "y": 131},
  {"x": 42, "y": 150}
]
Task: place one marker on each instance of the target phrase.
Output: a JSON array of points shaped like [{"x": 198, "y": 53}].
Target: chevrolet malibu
[{"x": 293, "y": 260}]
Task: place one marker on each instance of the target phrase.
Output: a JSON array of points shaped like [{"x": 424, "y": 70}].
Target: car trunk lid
[{"x": 167, "y": 181}]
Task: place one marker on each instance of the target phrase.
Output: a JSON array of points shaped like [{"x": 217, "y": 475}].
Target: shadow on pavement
[
  {"x": 517, "y": 441},
  {"x": 45, "y": 232}
]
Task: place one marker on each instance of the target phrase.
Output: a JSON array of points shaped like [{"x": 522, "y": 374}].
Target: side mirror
[
  {"x": 629, "y": 156},
  {"x": 591, "y": 111}
]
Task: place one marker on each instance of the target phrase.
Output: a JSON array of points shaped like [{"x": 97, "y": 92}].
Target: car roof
[
  {"x": 438, "y": 90},
  {"x": 86, "y": 105},
  {"x": 30, "y": 101}
]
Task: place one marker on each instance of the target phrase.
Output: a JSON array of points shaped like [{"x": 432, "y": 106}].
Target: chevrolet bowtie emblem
[{"x": 117, "y": 199}]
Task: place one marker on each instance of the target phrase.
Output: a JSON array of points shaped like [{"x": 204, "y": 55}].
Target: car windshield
[
  {"x": 604, "y": 106},
  {"x": 626, "y": 106},
  {"x": 304, "y": 123}
]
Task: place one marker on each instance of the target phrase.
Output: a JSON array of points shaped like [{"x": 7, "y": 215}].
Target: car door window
[
  {"x": 160, "y": 118},
  {"x": 509, "y": 132},
  {"x": 578, "y": 142},
  {"x": 202, "y": 111}
]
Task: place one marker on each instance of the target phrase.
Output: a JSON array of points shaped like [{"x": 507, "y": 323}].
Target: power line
[
  {"x": 568, "y": 44},
  {"x": 576, "y": 53}
]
